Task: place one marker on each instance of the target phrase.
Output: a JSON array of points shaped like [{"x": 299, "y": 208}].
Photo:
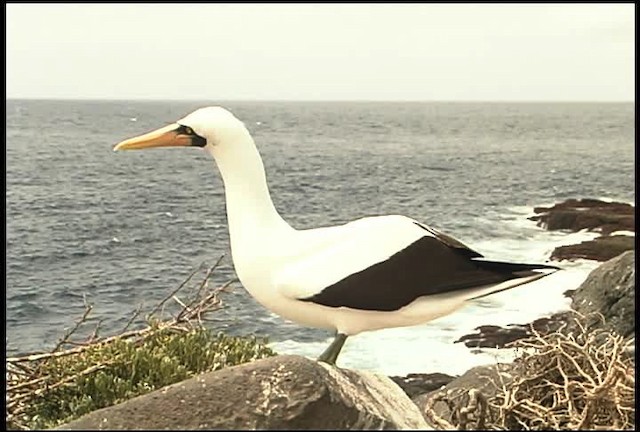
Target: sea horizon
[{"x": 435, "y": 101}]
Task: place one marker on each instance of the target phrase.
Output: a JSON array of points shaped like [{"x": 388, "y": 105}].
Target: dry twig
[{"x": 87, "y": 310}]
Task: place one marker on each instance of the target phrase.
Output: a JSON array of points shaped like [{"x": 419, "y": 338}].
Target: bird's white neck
[{"x": 251, "y": 215}]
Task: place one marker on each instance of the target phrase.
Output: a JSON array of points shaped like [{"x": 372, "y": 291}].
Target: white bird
[{"x": 369, "y": 274}]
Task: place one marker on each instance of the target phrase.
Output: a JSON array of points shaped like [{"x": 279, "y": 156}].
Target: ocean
[{"x": 124, "y": 229}]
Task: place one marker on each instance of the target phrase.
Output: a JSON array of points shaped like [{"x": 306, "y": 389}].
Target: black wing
[{"x": 426, "y": 267}]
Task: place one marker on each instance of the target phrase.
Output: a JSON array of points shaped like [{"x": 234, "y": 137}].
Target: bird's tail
[
  {"x": 516, "y": 274},
  {"x": 511, "y": 268}
]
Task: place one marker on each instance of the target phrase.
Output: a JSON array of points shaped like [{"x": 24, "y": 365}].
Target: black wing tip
[
  {"x": 540, "y": 267},
  {"x": 550, "y": 267},
  {"x": 513, "y": 267}
]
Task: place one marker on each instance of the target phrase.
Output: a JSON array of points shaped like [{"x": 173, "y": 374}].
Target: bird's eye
[{"x": 188, "y": 130}]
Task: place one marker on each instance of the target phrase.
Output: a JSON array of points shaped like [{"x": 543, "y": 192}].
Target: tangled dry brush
[{"x": 574, "y": 379}]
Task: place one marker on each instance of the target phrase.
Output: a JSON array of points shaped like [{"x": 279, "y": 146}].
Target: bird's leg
[{"x": 330, "y": 355}]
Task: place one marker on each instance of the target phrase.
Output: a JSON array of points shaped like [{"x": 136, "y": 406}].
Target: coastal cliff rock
[
  {"x": 283, "y": 392},
  {"x": 610, "y": 290}
]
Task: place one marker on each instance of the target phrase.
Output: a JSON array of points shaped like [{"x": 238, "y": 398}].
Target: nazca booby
[{"x": 372, "y": 273}]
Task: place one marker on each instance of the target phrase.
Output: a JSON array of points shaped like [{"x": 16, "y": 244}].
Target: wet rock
[
  {"x": 283, "y": 392},
  {"x": 590, "y": 214},
  {"x": 599, "y": 249},
  {"x": 492, "y": 336}
]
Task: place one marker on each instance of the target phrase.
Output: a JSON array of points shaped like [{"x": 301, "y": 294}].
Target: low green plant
[
  {"x": 133, "y": 368},
  {"x": 45, "y": 390}
]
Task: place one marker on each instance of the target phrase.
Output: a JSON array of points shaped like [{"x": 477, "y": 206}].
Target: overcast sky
[{"x": 321, "y": 51}]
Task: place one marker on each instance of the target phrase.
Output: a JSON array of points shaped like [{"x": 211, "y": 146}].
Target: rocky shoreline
[
  {"x": 599, "y": 293},
  {"x": 291, "y": 392},
  {"x": 571, "y": 215},
  {"x": 590, "y": 214},
  {"x": 606, "y": 303},
  {"x": 594, "y": 215}
]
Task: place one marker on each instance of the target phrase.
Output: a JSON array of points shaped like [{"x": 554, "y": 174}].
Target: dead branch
[
  {"x": 174, "y": 292},
  {"x": 87, "y": 310},
  {"x": 132, "y": 319}
]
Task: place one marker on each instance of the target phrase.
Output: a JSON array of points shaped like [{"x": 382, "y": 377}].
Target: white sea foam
[
  {"x": 620, "y": 200},
  {"x": 627, "y": 233}
]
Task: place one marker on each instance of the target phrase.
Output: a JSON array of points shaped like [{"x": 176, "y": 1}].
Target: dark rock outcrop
[
  {"x": 492, "y": 336},
  {"x": 416, "y": 384},
  {"x": 283, "y": 392},
  {"x": 599, "y": 249},
  {"x": 591, "y": 214},
  {"x": 610, "y": 290}
]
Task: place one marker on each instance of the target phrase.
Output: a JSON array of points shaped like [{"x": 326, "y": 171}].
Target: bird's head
[{"x": 204, "y": 128}]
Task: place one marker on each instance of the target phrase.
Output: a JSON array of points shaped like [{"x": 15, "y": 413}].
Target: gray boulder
[
  {"x": 610, "y": 290},
  {"x": 283, "y": 392}
]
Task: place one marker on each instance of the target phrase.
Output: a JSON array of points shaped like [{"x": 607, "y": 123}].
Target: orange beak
[{"x": 167, "y": 136}]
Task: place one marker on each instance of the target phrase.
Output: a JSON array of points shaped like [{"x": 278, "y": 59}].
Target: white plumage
[
  {"x": 323, "y": 256},
  {"x": 372, "y": 273}
]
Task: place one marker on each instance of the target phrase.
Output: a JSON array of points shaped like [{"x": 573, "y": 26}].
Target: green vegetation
[
  {"x": 131, "y": 369},
  {"x": 49, "y": 389}
]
